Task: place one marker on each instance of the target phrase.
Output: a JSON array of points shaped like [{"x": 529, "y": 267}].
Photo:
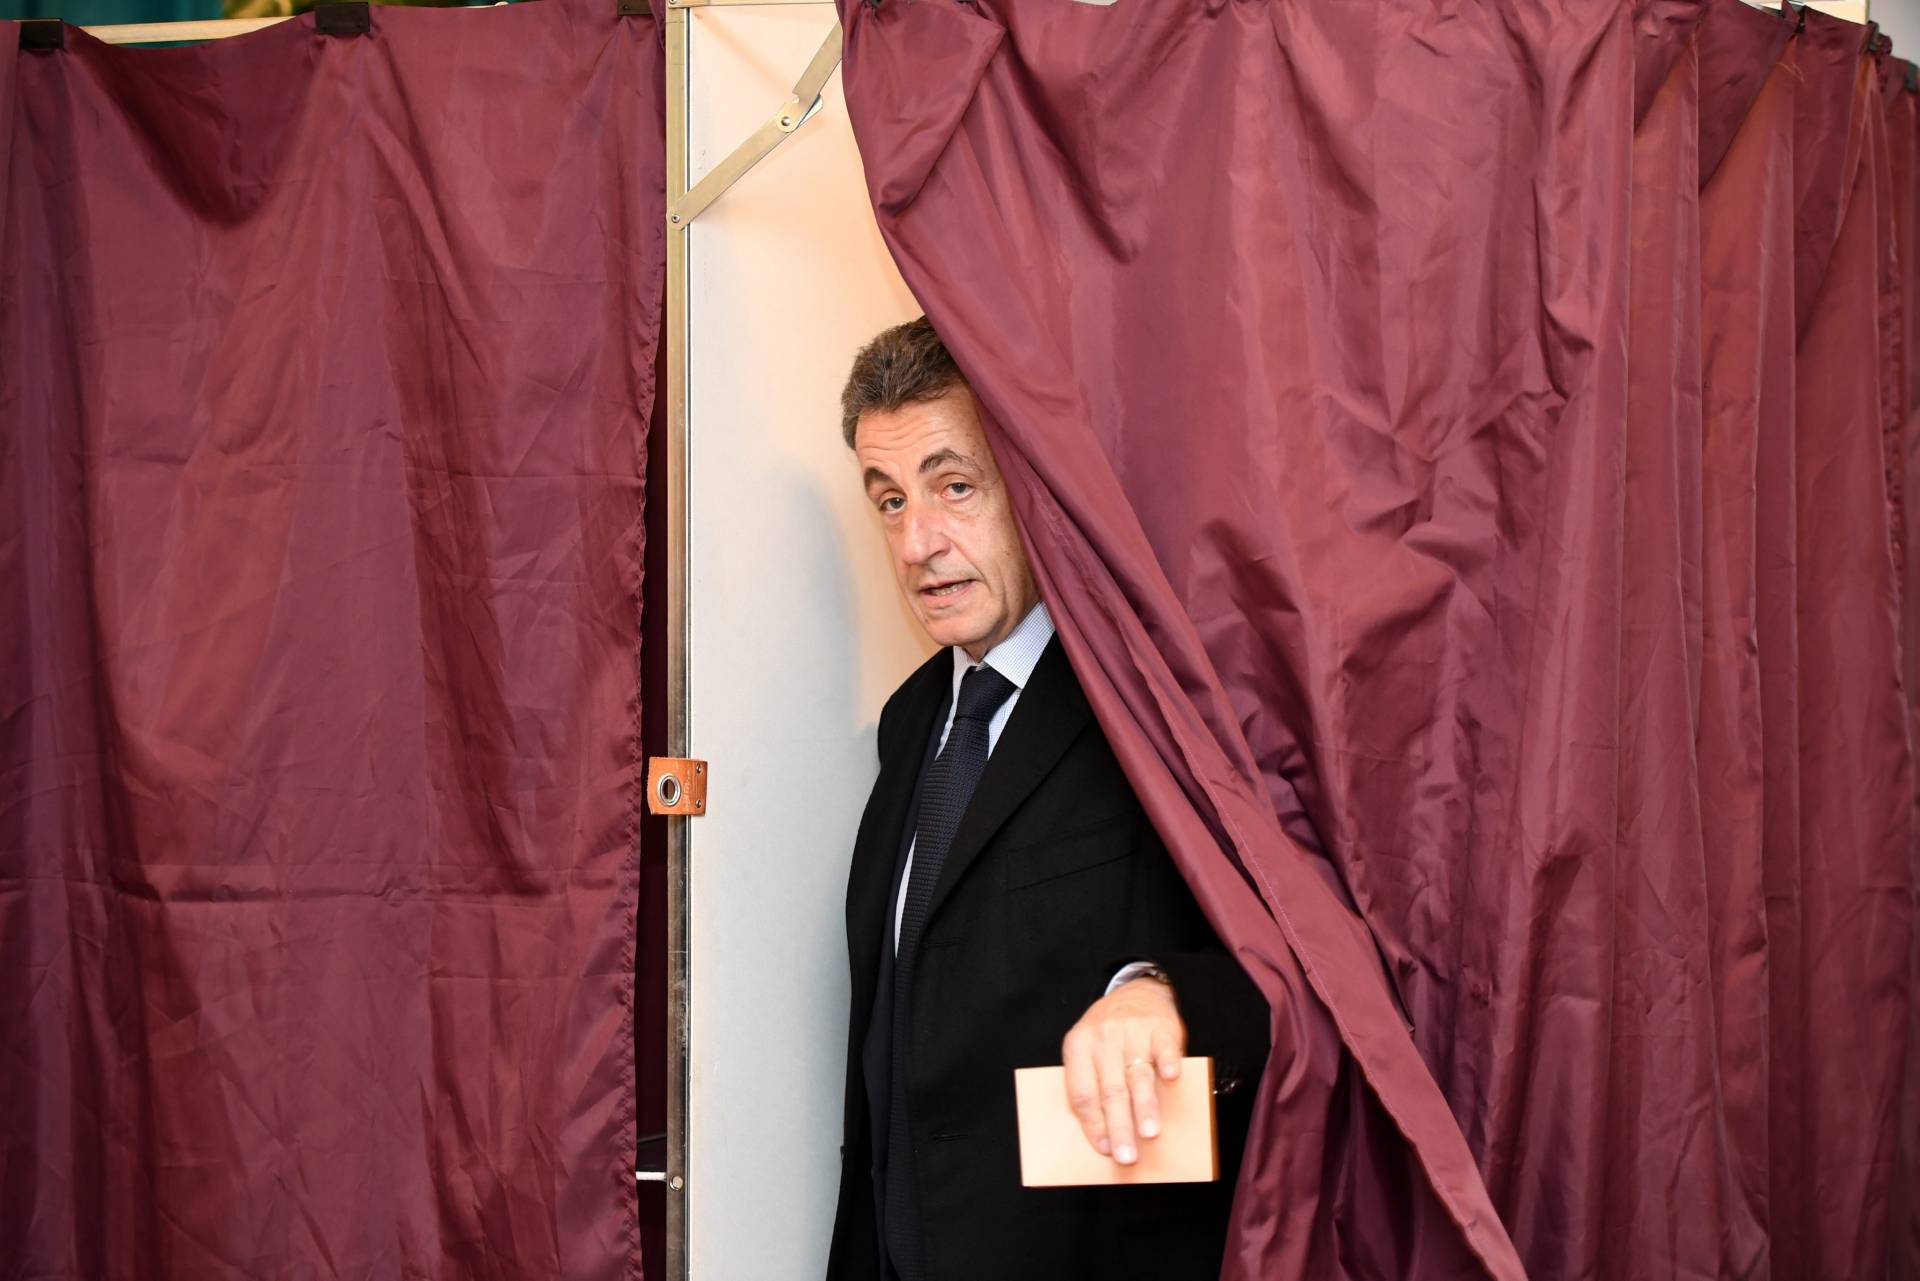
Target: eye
[
  {"x": 892, "y": 503},
  {"x": 959, "y": 489}
]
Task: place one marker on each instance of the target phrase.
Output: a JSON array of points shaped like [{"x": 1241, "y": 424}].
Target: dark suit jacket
[{"x": 1054, "y": 878}]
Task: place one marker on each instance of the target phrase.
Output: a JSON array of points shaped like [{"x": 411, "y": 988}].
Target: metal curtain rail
[
  {"x": 221, "y": 28},
  {"x": 200, "y": 29},
  {"x": 156, "y": 32}
]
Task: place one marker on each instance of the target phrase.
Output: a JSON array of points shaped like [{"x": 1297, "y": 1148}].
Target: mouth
[{"x": 935, "y": 593}]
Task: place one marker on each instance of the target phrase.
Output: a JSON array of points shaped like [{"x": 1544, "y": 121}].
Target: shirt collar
[{"x": 1017, "y": 655}]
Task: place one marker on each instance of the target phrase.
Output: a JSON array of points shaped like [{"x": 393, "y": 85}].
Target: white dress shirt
[{"x": 1014, "y": 658}]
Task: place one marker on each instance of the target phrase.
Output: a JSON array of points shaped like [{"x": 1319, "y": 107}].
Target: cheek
[{"x": 1000, "y": 558}]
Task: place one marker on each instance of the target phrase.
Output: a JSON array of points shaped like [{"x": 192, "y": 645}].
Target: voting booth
[{"x": 783, "y": 632}]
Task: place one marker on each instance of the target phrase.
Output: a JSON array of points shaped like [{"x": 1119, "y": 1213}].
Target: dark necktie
[{"x": 943, "y": 799}]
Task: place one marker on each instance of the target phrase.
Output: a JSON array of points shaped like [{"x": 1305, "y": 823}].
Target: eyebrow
[
  {"x": 941, "y": 457},
  {"x": 932, "y": 462}
]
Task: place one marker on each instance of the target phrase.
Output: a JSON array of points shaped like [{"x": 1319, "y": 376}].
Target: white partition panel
[{"x": 797, "y": 635}]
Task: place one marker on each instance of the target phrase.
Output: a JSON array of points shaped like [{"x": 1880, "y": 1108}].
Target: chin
[{"x": 958, "y": 633}]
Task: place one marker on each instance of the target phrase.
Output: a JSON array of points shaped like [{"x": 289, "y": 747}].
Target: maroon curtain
[
  {"x": 325, "y": 368},
  {"x": 1466, "y": 447}
]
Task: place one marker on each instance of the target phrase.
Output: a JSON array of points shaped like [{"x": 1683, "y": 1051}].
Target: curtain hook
[{"x": 42, "y": 34}]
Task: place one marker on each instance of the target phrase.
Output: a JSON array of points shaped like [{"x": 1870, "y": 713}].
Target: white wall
[
  {"x": 798, "y": 636},
  {"x": 1901, "y": 20},
  {"x": 1851, "y": 10}
]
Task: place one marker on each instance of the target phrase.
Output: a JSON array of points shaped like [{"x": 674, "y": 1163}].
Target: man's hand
[{"x": 1114, "y": 1055}]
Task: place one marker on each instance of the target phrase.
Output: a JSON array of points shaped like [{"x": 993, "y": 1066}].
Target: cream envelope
[{"x": 1054, "y": 1151}]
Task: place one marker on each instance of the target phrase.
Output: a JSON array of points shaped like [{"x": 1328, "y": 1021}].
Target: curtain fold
[
  {"x": 1462, "y": 447},
  {"x": 1748, "y": 74},
  {"x": 1842, "y": 1060},
  {"x": 325, "y": 367}
]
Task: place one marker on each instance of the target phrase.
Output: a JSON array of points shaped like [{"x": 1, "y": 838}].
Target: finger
[
  {"x": 1169, "y": 1045},
  {"x": 1116, "y": 1099},
  {"x": 1141, "y": 1086},
  {"x": 1083, "y": 1090}
]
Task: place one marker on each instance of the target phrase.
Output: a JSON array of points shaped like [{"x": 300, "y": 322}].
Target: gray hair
[{"x": 903, "y": 365}]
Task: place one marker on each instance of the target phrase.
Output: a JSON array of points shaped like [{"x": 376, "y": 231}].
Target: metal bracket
[
  {"x": 676, "y": 786},
  {"x": 794, "y": 111}
]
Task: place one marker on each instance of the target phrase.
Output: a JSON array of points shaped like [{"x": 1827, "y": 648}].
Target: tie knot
[{"x": 982, "y": 690}]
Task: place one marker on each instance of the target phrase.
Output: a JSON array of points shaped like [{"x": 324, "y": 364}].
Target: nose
[{"x": 923, "y": 535}]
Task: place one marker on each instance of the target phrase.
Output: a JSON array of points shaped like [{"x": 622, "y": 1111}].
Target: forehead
[{"x": 896, "y": 440}]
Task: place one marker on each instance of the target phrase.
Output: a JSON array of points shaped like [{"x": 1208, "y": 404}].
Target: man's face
[{"x": 949, "y": 524}]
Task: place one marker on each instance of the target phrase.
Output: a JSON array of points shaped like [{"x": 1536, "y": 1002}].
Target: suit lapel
[
  {"x": 1050, "y": 715},
  {"x": 877, "y": 849}
]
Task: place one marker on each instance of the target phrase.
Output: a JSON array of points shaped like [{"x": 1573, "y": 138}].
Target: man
[{"x": 1008, "y": 906}]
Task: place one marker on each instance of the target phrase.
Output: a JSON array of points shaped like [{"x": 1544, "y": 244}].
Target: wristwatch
[{"x": 1137, "y": 970}]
